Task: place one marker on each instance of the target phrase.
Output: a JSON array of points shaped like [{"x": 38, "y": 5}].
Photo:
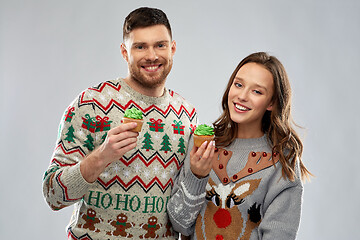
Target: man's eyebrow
[
  {"x": 157, "y": 42},
  {"x": 163, "y": 41}
]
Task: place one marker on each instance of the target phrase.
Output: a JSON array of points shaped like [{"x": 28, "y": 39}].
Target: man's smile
[{"x": 151, "y": 68}]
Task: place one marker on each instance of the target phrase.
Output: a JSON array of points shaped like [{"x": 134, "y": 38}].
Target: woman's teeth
[{"x": 241, "y": 107}]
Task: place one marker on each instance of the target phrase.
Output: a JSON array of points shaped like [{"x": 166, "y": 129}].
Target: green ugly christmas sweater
[{"x": 128, "y": 200}]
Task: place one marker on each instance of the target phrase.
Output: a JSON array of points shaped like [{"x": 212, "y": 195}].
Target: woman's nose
[{"x": 243, "y": 95}]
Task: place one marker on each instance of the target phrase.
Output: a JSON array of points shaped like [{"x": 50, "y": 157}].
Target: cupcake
[
  {"x": 203, "y": 133},
  {"x": 133, "y": 115}
]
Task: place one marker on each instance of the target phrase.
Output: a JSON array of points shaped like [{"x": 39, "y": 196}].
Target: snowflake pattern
[
  {"x": 156, "y": 169},
  {"x": 127, "y": 173},
  {"x": 172, "y": 170},
  {"x": 116, "y": 168},
  {"x": 164, "y": 175},
  {"x": 105, "y": 174},
  {"x": 192, "y": 216},
  {"x": 137, "y": 168},
  {"x": 147, "y": 173}
]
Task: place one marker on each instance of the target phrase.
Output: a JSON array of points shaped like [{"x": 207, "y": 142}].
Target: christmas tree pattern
[
  {"x": 147, "y": 142},
  {"x": 165, "y": 144},
  {"x": 181, "y": 146},
  {"x": 70, "y": 135},
  {"x": 89, "y": 143}
]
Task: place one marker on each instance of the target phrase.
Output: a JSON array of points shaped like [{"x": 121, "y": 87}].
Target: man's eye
[
  {"x": 161, "y": 45},
  {"x": 139, "y": 47}
]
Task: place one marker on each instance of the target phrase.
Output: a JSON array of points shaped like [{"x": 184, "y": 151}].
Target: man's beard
[{"x": 147, "y": 80}]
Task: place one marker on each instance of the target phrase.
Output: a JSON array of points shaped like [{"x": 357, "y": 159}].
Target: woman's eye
[
  {"x": 257, "y": 92},
  {"x": 238, "y": 85}
]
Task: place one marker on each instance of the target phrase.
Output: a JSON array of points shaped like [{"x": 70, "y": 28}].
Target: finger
[
  {"x": 125, "y": 142},
  {"x": 201, "y": 149},
  {"x": 127, "y": 148},
  {"x": 212, "y": 152},
  {"x": 122, "y": 128},
  {"x": 115, "y": 140},
  {"x": 193, "y": 151},
  {"x": 209, "y": 149}
]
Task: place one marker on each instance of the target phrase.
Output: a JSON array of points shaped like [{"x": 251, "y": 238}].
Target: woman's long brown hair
[{"x": 277, "y": 124}]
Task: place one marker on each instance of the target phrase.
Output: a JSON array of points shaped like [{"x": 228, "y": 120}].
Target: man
[{"x": 118, "y": 180}]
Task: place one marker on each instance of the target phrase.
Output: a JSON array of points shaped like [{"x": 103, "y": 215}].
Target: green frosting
[
  {"x": 133, "y": 113},
  {"x": 204, "y": 129}
]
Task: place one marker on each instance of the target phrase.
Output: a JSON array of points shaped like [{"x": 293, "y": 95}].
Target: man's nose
[{"x": 151, "y": 54}]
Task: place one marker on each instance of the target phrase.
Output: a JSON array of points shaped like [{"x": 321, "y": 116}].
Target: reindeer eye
[
  {"x": 216, "y": 200},
  {"x": 230, "y": 202},
  {"x": 213, "y": 196},
  {"x": 233, "y": 200}
]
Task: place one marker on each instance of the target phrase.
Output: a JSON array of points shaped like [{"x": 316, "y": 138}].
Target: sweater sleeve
[
  {"x": 282, "y": 210},
  {"x": 187, "y": 198},
  {"x": 63, "y": 183}
]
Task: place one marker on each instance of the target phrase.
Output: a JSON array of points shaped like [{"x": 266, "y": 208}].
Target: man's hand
[
  {"x": 119, "y": 140},
  {"x": 201, "y": 159}
]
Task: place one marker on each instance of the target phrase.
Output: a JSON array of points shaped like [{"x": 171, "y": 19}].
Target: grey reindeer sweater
[
  {"x": 244, "y": 197},
  {"x": 128, "y": 200}
]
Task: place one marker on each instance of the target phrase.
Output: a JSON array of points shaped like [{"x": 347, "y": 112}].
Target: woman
[{"x": 250, "y": 185}]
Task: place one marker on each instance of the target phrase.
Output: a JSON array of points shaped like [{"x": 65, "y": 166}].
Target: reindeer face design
[{"x": 222, "y": 218}]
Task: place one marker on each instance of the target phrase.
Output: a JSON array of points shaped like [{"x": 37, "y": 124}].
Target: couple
[{"x": 246, "y": 184}]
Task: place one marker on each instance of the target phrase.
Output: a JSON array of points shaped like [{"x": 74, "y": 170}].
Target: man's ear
[
  {"x": 124, "y": 52},
  {"x": 173, "y": 47}
]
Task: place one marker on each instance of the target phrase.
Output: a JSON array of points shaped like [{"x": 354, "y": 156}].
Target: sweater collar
[
  {"x": 251, "y": 143},
  {"x": 147, "y": 99}
]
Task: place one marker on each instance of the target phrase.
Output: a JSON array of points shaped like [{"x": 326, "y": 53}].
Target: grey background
[{"x": 52, "y": 50}]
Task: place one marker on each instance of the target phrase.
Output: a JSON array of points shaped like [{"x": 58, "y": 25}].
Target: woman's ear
[{"x": 270, "y": 107}]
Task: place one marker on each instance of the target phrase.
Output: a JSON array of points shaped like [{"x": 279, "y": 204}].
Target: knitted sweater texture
[
  {"x": 244, "y": 197},
  {"x": 128, "y": 200}
]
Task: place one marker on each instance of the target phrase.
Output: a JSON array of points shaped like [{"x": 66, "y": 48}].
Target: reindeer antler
[
  {"x": 219, "y": 162},
  {"x": 257, "y": 161}
]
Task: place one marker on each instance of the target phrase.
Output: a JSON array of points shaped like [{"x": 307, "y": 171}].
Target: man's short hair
[{"x": 145, "y": 17}]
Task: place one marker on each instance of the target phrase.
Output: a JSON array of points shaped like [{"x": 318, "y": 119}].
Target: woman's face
[{"x": 250, "y": 96}]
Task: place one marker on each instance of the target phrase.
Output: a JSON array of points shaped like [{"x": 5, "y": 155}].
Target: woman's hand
[{"x": 201, "y": 159}]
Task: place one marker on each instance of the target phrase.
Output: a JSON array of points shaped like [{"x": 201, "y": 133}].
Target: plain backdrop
[{"x": 52, "y": 50}]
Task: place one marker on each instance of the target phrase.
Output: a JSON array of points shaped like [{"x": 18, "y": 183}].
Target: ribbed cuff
[
  {"x": 195, "y": 186},
  {"x": 74, "y": 183}
]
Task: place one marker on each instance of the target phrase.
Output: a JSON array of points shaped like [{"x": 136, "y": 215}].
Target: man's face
[{"x": 149, "y": 53}]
